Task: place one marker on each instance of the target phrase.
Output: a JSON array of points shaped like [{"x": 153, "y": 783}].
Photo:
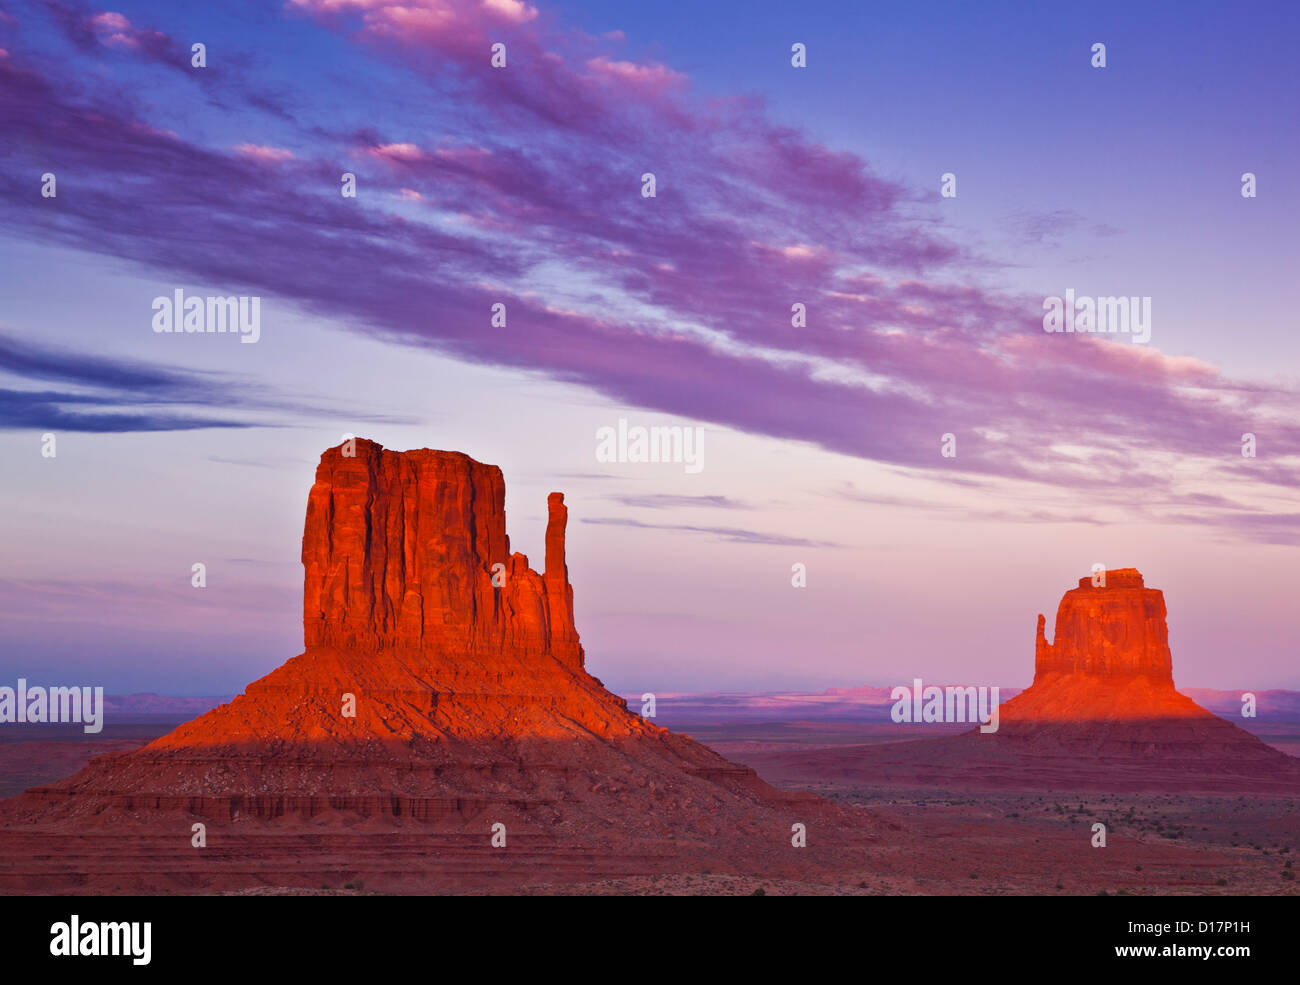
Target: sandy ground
[{"x": 939, "y": 841}]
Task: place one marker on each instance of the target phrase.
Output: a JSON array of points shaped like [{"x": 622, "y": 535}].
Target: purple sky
[{"x": 775, "y": 185}]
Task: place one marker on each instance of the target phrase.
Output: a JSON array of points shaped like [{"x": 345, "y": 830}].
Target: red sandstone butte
[
  {"x": 400, "y": 552},
  {"x": 1114, "y": 630},
  {"x": 472, "y": 706},
  {"x": 1102, "y": 714},
  {"x": 1106, "y": 684}
]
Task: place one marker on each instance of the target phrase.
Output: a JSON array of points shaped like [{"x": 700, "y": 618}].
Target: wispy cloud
[
  {"x": 734, "y": 535},
  {"x": 1049, "y": 229},
  {"x": 102, "y": 394},
  {"x": 671, "y": 501}
]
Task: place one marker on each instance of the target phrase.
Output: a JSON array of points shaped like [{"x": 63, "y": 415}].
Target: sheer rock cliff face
[
  {"x": 1115, "y": 631},
  {"x": 410, "y": 551}
]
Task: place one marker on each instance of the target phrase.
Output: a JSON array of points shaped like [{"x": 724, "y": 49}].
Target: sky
[{"x": 523, "y": 185}]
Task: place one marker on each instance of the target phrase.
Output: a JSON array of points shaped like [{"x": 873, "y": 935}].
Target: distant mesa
[
  {"x": 1106, "y": 684},
  {"x": 1102, "y": 713}
]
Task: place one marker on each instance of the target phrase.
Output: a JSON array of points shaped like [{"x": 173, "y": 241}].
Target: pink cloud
[
  {"x": 511, "y": 10},
  {"x": 404, "y": 153},
  {"x": 651, "y": 75},
  {"x": 113, "y": 28},
  {"x": 458, "y": 24},
  {"x": 268, "y": 155},
  {"x": 111, "y": 21}
]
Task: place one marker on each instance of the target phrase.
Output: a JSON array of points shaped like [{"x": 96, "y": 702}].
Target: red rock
[
  {"x": 1111, "y": 670},
  {"x": 1116, "y": 631},
  {"x": 1102, "y": 714},
  {"x": 400, "y": 551},
  {"x": 472, "y": 706}
]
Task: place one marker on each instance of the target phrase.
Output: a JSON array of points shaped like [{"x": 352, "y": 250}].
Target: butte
[
  {"x": 442, "y": 692},
  {"x": 1102, "y": 714}
]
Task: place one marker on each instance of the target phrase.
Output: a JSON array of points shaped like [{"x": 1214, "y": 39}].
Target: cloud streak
[
  {"x": 735, "y": 535},
  {"x": 105, "y": 395},
  {"x": 672, "y": 501}
]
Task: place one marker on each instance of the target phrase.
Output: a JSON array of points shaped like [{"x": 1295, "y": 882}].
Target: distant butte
[
  {"x": 1106, "y": 687},
  {"x": 1102, "y": 714}
]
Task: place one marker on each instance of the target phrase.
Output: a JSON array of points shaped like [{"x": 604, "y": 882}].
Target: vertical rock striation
[
  {"x": 409, "y": 551},
  {"x": 1115, "y": 631}
]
